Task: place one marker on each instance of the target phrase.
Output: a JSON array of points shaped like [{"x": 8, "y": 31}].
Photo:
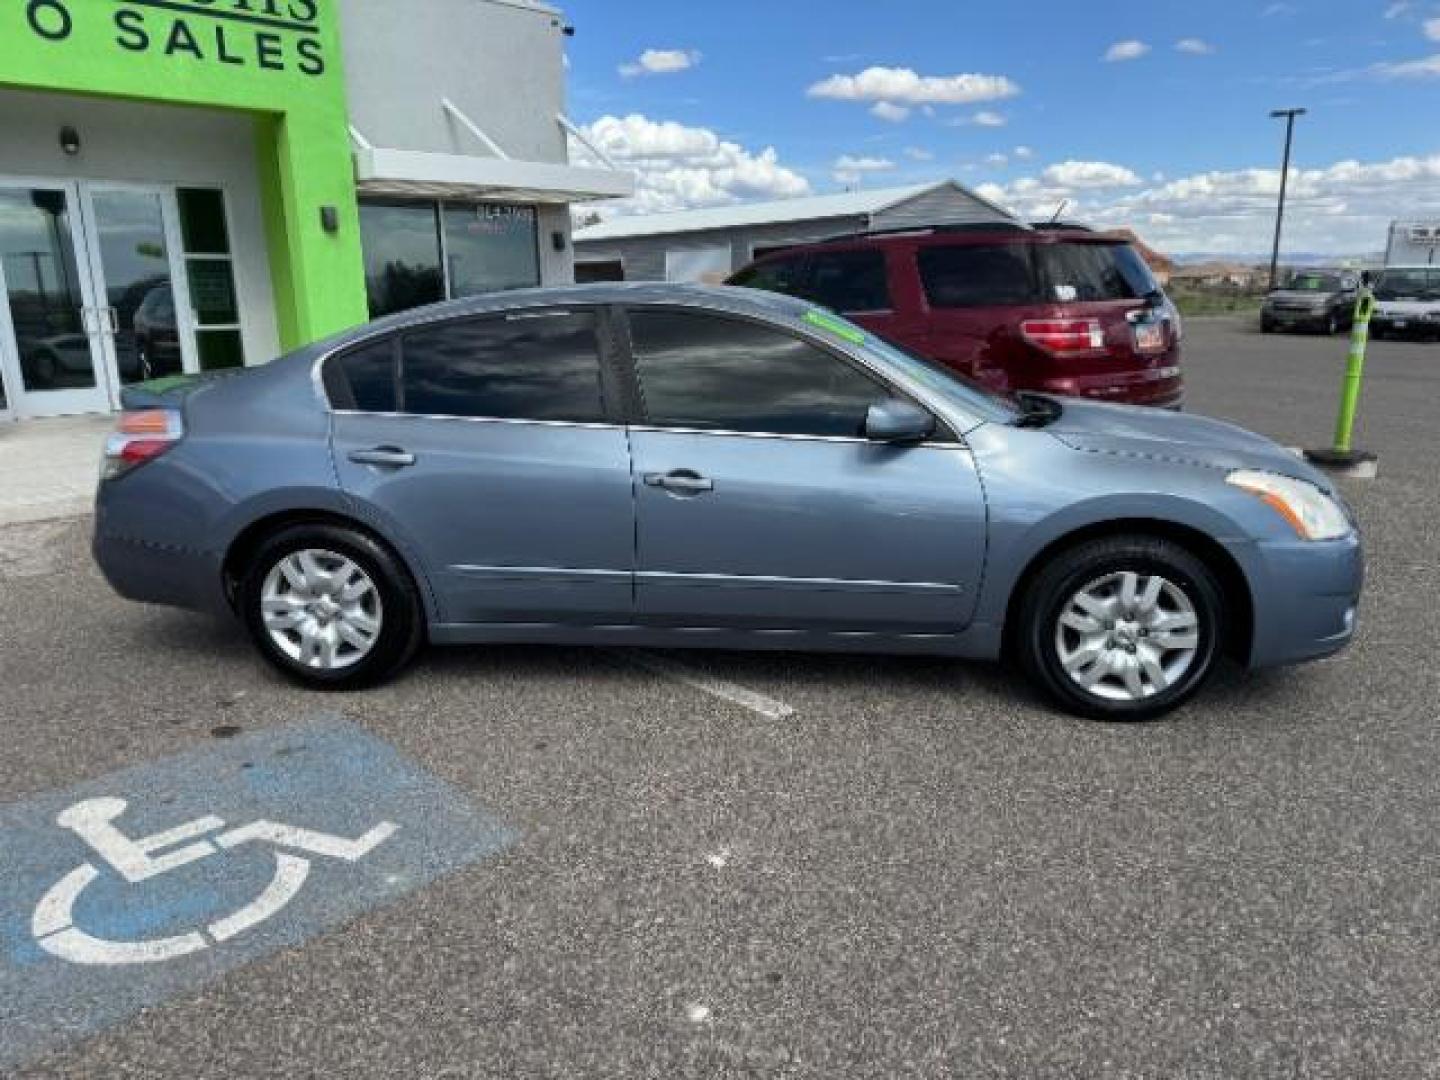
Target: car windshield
[
  {"x": 1309, "y": 282},
  {"x": 1420, "y": 283},
  {"x": 950, "y": 384}
]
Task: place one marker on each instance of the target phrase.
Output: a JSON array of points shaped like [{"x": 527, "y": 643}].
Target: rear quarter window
[
  {"x": 776, "y": 275},
  {"x": 849, "y": 280},
  {"x": 978, "y": 275},
  {"x": 363, "y": 378}
]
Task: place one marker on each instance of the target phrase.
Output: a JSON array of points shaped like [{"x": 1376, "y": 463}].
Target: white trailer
[{"x": 1413, "y": 243}]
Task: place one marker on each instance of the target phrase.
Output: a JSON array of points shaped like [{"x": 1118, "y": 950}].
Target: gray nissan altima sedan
[{"x": 685, "y": 466}]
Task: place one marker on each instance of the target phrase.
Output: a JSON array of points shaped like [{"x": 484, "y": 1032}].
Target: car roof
[
  {"x": 947, "y": 236},
  {"x": 724, "y": 298}
]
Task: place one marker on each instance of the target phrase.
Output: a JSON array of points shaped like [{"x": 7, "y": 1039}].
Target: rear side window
[
  {"x": 520, "y": 367},
  {"x": 849, "y": 280},
  {"x": 779, "y": 276},
  {"x": 978, "y": 275},
  {"x": 1080, "y": 272},
  {"x": 363, "y": 378},
  {"x": 706, "y": 372}
]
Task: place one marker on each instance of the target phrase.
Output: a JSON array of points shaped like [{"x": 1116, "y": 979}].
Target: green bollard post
[{"x": 1342, "y": 454}]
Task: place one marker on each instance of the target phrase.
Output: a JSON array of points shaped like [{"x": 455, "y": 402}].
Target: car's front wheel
[
  {"x": 330, "y": 606},
  {"x": 1121, "y": 628}
]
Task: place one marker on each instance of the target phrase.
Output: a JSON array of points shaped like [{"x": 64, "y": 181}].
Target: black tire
[
  {"x": 402, "y": 622},
  {"x": 1048, "y": 596},
  {"x": 1266, "y": 326},
  {"x": 1332, "y": 325}
]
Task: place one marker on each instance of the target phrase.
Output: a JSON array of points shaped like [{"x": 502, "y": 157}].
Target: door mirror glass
[{"x": 896, "y": 421}]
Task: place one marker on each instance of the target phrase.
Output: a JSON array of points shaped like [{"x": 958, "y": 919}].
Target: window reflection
[
  {"x": 701, "y": 371},
  {"x": 402, "y": 256}
]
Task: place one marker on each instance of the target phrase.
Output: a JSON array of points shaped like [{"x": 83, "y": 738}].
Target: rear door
[
  {"x": 491, "y": 445},
  {"x": 760, "y": 505}
]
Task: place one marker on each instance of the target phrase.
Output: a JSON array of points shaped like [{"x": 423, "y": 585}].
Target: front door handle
[
  {"x": 680, "y": 481},
  {"x": 391, "y": 457}
]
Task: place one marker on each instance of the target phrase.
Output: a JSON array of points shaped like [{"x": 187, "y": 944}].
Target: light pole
[{"x": 1289, "y": 115}]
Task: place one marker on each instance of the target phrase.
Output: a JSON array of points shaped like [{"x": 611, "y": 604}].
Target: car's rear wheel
[
  {"x": 330, "y": 606},
  {"x": 1121, "y": 628}
]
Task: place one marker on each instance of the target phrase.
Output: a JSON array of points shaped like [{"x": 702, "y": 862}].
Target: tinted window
[
  {"x": 980, "y": 275},
  {"x": 490, "y": 247},
  {"x": 1083, "y": 272},
  {"x": 363, "y": 378},
  {"x": 778, "y": 275},
  {"x": 516, "y": 368},
  {"x": 402, "y": 256},
  {"x": 1408, "y": 284},
  {"x": 849, "y": 280},
  {"x": 702, "y": 371}
]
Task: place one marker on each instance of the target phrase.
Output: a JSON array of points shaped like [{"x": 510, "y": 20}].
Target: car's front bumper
[
  {"x": 1297, "y": 318},
  {"x": 1305, "y": 597},
  {"x": 1402, "y": 325}
]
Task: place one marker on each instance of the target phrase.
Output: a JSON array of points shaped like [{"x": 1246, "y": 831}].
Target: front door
[
  {"x": 91, "y": 295},
  {"x": 51, "y": 326},
  {"x": 761, "y": 506}
]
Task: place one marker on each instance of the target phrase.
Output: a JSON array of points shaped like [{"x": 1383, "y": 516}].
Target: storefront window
[
  {"x": 402, "y": 256},
  {"x": 210, "y": 276},
  {"x": 490, "y": 247},
  {"x": 420, "y": 252}
]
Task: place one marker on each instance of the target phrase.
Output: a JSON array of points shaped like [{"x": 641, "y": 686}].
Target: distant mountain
[{"x": 1287, "y": 258}]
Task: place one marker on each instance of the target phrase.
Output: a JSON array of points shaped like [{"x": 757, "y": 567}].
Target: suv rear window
[
  {"x": 1088, "y": 272},
  {"x": 778, "y": 275},
  {"x": 978, "y": 275}
]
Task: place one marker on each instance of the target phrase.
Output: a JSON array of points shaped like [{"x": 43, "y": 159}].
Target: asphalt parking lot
[{"x": 733, "y": 864}]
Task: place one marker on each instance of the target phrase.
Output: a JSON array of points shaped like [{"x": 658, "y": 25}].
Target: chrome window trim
[
  {"x": 591, "y": 424},
  {"x": 788, "y": 436}
]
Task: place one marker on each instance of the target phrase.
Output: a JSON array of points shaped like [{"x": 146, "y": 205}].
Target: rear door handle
[
  {"x": 680, "y": 481},
  {"x": 386, "y": 456}
]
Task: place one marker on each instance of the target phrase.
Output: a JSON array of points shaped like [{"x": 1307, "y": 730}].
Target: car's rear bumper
[
  {"x": 140, "y": 568},
  {"x": 1159, "y": 387},
  {"x": 1305, "y": 597}
]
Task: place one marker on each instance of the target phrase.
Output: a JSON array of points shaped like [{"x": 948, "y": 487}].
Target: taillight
[
  {"x": 140, "y": 436},
  {"x": 1064, "y": 336}
]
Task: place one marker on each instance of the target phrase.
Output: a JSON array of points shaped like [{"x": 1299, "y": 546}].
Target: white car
[{"x": 1407, "y": 302}]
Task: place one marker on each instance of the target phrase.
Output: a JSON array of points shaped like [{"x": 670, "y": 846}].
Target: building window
[
  {"x": 210, "y": 275},
  {"x": 401, "y": 242},
  {"x": 420, "y": 252}
]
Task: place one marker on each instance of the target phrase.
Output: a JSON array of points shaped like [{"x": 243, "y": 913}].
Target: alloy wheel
[{"x": 1128, "y": 636}]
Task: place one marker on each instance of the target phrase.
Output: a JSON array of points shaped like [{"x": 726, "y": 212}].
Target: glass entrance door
[
  {"x": 133, "y": 236},
  {"x": 51, "y": 351}
]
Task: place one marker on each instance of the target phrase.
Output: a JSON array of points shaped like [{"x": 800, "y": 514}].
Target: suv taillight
[
  {"x": 140, "y": 436},
  {"x": 1064, "y": 336}
]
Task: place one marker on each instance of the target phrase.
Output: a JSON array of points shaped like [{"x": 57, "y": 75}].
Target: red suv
[{"x": 1055, "y": 308}]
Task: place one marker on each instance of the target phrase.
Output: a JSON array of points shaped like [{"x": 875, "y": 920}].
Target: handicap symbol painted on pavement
[
  {"x": 133, "y": 888},
  {"x": 93, "y": 820}
]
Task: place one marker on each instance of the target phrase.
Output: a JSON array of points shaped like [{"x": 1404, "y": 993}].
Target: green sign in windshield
[{"x": 839, "y": 327}]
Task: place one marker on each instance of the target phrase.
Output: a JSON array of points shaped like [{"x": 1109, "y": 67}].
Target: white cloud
[
  {"x": 1400, "y": 7},
  {"x": 1126, "y": 50},
  {"x": 905, "y": 86},
  {"x": 851, "y": 170},
  {"x": 1431, "y": 27},
  {"x": 986, "y": 118},
  {"x": 1024, "y": 153},
  {"x": 919, "y": 153},
  {"x": 1428, "y": 68},
  {"x": 660, "y": 62},
  {"x": 996, "y": 159},
  {"x": 1194, "y": 46},
  {"x": 1080, "y": 175},
  {"x": 1271, "y": 10},
  {"x": 888, "y": 110},
  {"x": 1342, "y": 208},
  {"x": 681, "y": 166}
]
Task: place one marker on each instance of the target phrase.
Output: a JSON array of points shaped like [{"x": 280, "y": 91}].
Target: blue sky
[{"x": 1153, "y": 114}]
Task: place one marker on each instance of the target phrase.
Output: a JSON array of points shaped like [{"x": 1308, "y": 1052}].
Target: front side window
[
  {"x": 978, "y": 275},
  {"x": 711, "y": 373},
  {"x": 849, "y": 281},
  {"x": 522, "y": 366}
]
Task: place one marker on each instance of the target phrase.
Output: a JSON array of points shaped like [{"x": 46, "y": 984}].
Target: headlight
[{"x": 1308, "y": 510}]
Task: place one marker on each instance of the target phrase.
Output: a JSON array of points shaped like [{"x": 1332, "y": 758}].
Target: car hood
[
  {"x": 1407, "y": 307},
  {"x": 1136, "y": 431},
  {"x": 1300, "y": 296}
]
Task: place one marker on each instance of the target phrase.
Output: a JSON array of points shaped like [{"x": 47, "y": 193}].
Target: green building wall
[{"x": 276, "y": 60}]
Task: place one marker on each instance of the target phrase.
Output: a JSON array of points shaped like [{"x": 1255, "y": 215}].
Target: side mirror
[{"x": 896, "y": 421}]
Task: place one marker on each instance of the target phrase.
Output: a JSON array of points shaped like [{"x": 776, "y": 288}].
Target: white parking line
[{"x": 720, "y": 688}]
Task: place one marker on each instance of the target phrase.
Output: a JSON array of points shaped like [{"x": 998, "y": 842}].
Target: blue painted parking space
[{"x": 136, "y": 887}]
